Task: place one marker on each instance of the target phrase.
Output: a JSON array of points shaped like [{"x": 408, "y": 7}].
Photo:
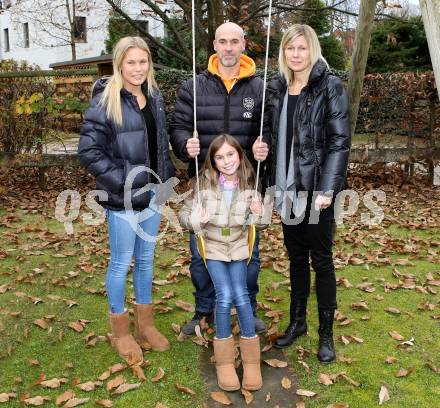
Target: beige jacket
[{"x": 226, "y": 232}]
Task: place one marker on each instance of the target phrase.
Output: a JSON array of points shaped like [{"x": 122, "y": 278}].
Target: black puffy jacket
[
  {"x": 322, "y": 128},
  {"x": 110, "y": 151},
  {"x": 237, "y": 113}
]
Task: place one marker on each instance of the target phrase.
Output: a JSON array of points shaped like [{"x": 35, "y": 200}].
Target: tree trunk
[
  {"x": 360, "y": 56},
  {"x": 431, "y": 20},
  {"x": 71, "y": 18},
  {"x": 215, "y": 18}
]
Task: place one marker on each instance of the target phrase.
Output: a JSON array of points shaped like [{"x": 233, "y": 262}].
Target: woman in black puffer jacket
[
  {"x": 308, "y": 117},
  {"x": 124, "y": 144}
]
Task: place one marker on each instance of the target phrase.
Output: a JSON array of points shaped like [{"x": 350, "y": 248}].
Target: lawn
[{"x": 388, "y": 282}]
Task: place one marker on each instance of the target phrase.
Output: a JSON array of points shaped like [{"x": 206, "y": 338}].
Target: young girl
[{"x": 226, "y": 201}]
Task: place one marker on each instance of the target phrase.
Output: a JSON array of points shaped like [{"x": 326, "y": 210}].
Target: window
[
  {"x": 6, "y": 39},
  {"x": 80, "y": 29},
  {"x": 142, "y": 24},
  {"x": 26, "y": 35}
]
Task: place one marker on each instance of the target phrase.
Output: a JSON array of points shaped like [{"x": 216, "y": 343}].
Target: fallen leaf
[
  {"x": 305, "y": 393},
  {"x": 273, "y": 362},
  {"x": 286, "y": 383},
  {"x": 393, "y": 310},
  {"x": 403, "y": 372},
  {"x": 138, "y": 372},
  {"x": 396, "y": 336},
  {"x": 188, "y": 307},
  {"x": 41, "y": 323},
  {"x": 88, "y": 386},
  {"x": 324, "y": 379},
  {"x": 221, "y": 397},
  {"x": 104, "y": 403},
  {"x": 77, "y": 326},
  {"x": 74, "y": 402},
  {"x": 248, "y": 397},
  {"x": 184, "y": 389},
  {"x": 390, "y": 360},
  {"x": 36, "y": 401},
  {"x": 53, "y": 383},
  {"x": 125, "y": 387},
  {"x": 159, "y": 375},
  {"x": 338, "y": 406},
  {"x": 383, "y": 395},
  {"x": 117, "y": 367},
  {"x": 66, "y": 396},
  {"x": 115, "y": 382}
]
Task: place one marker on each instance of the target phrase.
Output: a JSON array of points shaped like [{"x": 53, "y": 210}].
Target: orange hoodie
[{"x": 247, "y": 68}]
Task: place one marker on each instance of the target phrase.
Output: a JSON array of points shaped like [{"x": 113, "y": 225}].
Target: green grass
[{"x": 32, "y": 240}]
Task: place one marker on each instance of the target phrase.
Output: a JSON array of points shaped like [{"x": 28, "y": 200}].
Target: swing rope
[
  {"x": 260, "y": 137},
  {"x": 195, "y": 133}
]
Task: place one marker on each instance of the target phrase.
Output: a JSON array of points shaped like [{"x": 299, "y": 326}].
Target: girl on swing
[{"x": 221, "y": 212}]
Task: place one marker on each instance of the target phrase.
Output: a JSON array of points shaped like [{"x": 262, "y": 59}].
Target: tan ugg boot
[
  {"x": 224, "y": 364},
  {"x": 145, "y": 332},
  {"x": 122, "y": 340},
  {"x": 250, "y": 357}
]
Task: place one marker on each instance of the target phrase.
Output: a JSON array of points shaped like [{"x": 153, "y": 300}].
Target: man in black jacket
[{"x": 229, "y": 97}]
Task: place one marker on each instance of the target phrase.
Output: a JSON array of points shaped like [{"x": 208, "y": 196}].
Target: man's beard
[{"x": 230, "y": 62}]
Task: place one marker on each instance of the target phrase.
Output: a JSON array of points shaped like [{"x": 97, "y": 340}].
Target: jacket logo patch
[
  {"x": 248, "y": 103},
  {"x": 247, "y": 115}
]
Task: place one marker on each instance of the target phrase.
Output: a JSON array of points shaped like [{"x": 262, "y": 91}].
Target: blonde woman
[
  {"x": 124, "y": 145},
  {"x": 308, "y": 115}
]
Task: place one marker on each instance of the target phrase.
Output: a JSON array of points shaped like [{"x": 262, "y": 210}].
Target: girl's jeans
[
  {"x": 229, "y": 279},
  {"x": 131, "y": 233}
]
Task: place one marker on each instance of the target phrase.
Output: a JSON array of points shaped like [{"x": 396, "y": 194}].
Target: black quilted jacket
[
  {"x": 110, "y": 152},
  {"x": 237, "y": 113},
  {"x": 322, "y": 127}
]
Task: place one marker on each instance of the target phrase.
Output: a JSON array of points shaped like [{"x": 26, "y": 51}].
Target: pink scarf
[{"x": 226, "y": 183}]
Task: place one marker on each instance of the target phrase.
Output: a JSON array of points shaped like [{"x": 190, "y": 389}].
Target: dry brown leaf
[
  {"x": 117, "y": 367},
  {"x": 274, "y": 362},
  {"x": 66, "y": 396},
  {"x": 88, "y": 386},
  {"x": 106, "y": 374},
  {"x": 248, "y": 397},
  {"x": 36, "y": 401},
  {"x": 433, "y": 367},
  {"x": 115, "y": 382},
  {"x": 125, "y": 387},
  {"x": 52, "y": 383},
  {"x": 324, "y": 379},
  {"x": 138, "y": 372},
  {"x": 41, "y": 323},
  {"x": 404, "y": 373},
  {"x": 305, "y": 393},
  {"x": 286, "y": 383},
  {"x": 184, "y": 389},
  {"x": 159, "y": 375},
  {"x": 104, "y": 403},
  {"x": 392, "y": 310},
  {"x": 396, "y": 336},
  {"x": 34, "y": 362},
  {"x": 74, "y": 402},
  {"x": 188, "y": 307},
  {"x": 390, "y": 360},
  {"x": 383, "y": 395},
  {"x": 300, "y": 404},
  {"x": 160, "y": 405},
  {"x": 6, "y": 396},
  {"x": 175, "y": 327},
  {"x": 77, "y": 326},
  {"x": 221, "y": 397},
  {"x": 338, "y": 406}
]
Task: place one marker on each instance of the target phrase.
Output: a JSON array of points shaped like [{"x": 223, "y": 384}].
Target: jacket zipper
[{"x": 147, "y": 162}]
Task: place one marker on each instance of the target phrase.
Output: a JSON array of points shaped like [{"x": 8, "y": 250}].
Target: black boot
[
  {"x": 297, "y": 326},
  {"x": 326, "y": 353}
]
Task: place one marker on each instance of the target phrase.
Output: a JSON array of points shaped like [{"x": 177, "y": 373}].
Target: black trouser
[{"x": 304, "y": 241}]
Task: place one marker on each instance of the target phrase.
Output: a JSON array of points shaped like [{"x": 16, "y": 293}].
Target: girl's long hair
[
  {"x": 111, "y": 97},
  {"x": 209, "y": 174}
]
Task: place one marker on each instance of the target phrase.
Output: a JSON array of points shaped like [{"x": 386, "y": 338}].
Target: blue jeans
[
  {"x": 130, "y": 236},
  {"x": 229, "y": 280},
  {"x": 204, "y": 289}
]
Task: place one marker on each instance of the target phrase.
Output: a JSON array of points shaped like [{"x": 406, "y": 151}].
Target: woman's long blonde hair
[
  {"x": 209, "y": 174},
  {"x": 291, "y": 34},
  {"x": 111, "y": 97}
]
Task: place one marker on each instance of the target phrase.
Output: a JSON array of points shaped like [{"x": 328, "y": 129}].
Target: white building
[{"x": 27, "y": 34}]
